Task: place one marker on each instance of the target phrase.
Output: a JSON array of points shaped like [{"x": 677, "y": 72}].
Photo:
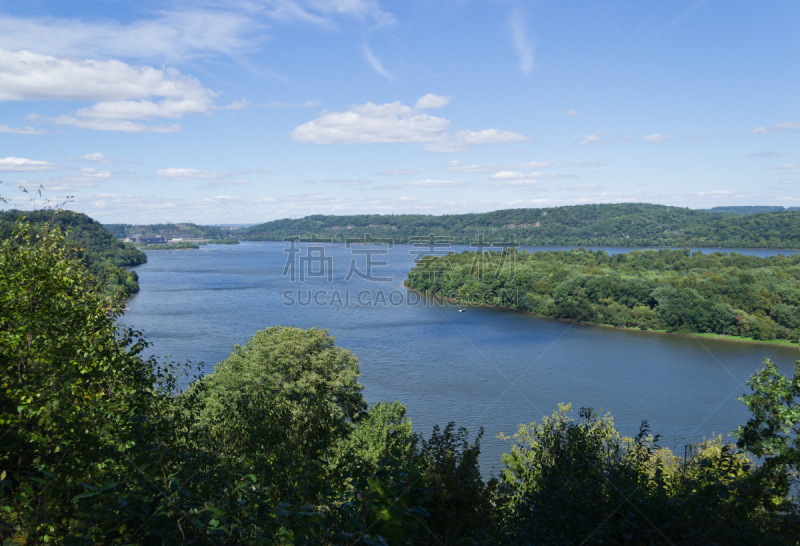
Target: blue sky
[{"x": 251, "y": 110}]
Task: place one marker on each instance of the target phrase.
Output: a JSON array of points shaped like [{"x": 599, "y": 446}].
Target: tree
[
  {"x": 279, "y": 403},
  {"x": 773, "y": 431},
  {"x": 73, "y": 387}
]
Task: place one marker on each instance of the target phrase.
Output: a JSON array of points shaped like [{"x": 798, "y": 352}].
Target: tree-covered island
[{"x": 728, "y": 294}]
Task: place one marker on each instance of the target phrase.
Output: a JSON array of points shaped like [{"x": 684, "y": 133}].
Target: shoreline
[
  {"x": 720, "y": 337},
  {"x": 587, "y": 246}
]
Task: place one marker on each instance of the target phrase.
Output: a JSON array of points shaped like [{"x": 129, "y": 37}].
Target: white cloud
[
  {"x": 588, "y": 163},
  {"x": 506, "y": 175},
  {"x": 220, "y": 32},
  {"x": 488, "y": 136},
  {"x": 215, "y": 178},
  {"x": 22, "y": 130},
  {"x": 431, "y": 101},
  {"x": 534, "y": 165},
  {"x": 95, "y": 158},
  {"x": 655, "y": 137},
  {"x": 393, "y": 172},
  {"x": 778, "y": 127},
  {"x": 514, "y": 183},
  {"x": 21, "y": 164},
  {"x": 314, "y": 198},
  {"x": 429, "y": 183},
  {"x": 220, "y": 183},
  {"x": 75, "y": 179},
  {"x": 88, "y": 174},
  {"x": 551, "y": 175},
  {"x": 236, "y": 105},
  {"x": 529, "y": 203},
  {"x": 572, "y": 112},
  {"x": 230, "y": 29},
  {"x": 220, "y": 199},
  {"x": 28, "y": 76},
  {"x": 124, "y": 92},
  {"x": 462, "y": 141},
  {"x": 147, "y": 109},
  {"x": 376, "y": 63},
  {"x": 346, "y": 182},
  {"x": 307, "y": 104},
  {"x": 173, "y": 173},
  {"x": 458, "y": 167},
  {"x": 519, "y": 37},
  {"x": 360, "y": 9},
  {"x": 394, "y": 122},
  {"x": 121, "y": 126},
  {"x": 595, "y": 138},
  {"x": 712, "y": 193}
]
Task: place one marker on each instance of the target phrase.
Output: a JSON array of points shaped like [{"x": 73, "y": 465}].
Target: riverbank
[
  {"x": 747, "y": 297},
  {"x": 780, "y": 342}
]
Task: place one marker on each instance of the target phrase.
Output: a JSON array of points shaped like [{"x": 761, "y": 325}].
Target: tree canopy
[
  {"x": 673, "y": 290},
  {"x": 104, "y": 255},
  {"x": 627, "y": 224},
  {"x": 99, "y": 445}
]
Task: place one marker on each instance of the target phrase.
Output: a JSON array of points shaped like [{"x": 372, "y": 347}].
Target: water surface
[{"x": 485, "y": 367}]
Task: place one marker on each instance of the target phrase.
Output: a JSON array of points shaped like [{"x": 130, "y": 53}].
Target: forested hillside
[
  {"x": 751, "y": 209},
  {"x": 178, "y": 231},
  {"x": 674, "y": 290},
  {"x": 610, "y": 225},
  {"x": 102, "y": 252}
]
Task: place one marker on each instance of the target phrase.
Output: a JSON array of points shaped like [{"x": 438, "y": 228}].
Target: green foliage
[
  {"x": 573, "y": 481},
  {"x": 103, "y": 254},
  {"x": 558, "y": 463},
  {"x": 460, "y": 504},
  {"x": 171, "y": 246},
  {"x": 383, "y": 431},
  {"x": 674, "y": 290},
  {"x": 181, "y": 231},
  {"x": 72, "y": 385},
  {"x": 277, "y": 445},
  {"x": 280, "y": 401},
  {"x": 773, "y": 431},
  {"x": 750, "y": 209},
  {"x": 626, "y": 224}
]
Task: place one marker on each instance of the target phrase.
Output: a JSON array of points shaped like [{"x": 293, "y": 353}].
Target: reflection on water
[{"x": 487, "y": 367}]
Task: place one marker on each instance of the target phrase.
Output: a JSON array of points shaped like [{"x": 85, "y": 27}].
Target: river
[{"x": 485, "y": 367}]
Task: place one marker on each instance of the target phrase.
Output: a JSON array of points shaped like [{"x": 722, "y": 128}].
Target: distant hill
[
  {"x": 177, "y": 231},
  {"x": 755, "y": 209},
  {"x": 99, "y": 249},
  {"x": 628, "y": 224}
]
